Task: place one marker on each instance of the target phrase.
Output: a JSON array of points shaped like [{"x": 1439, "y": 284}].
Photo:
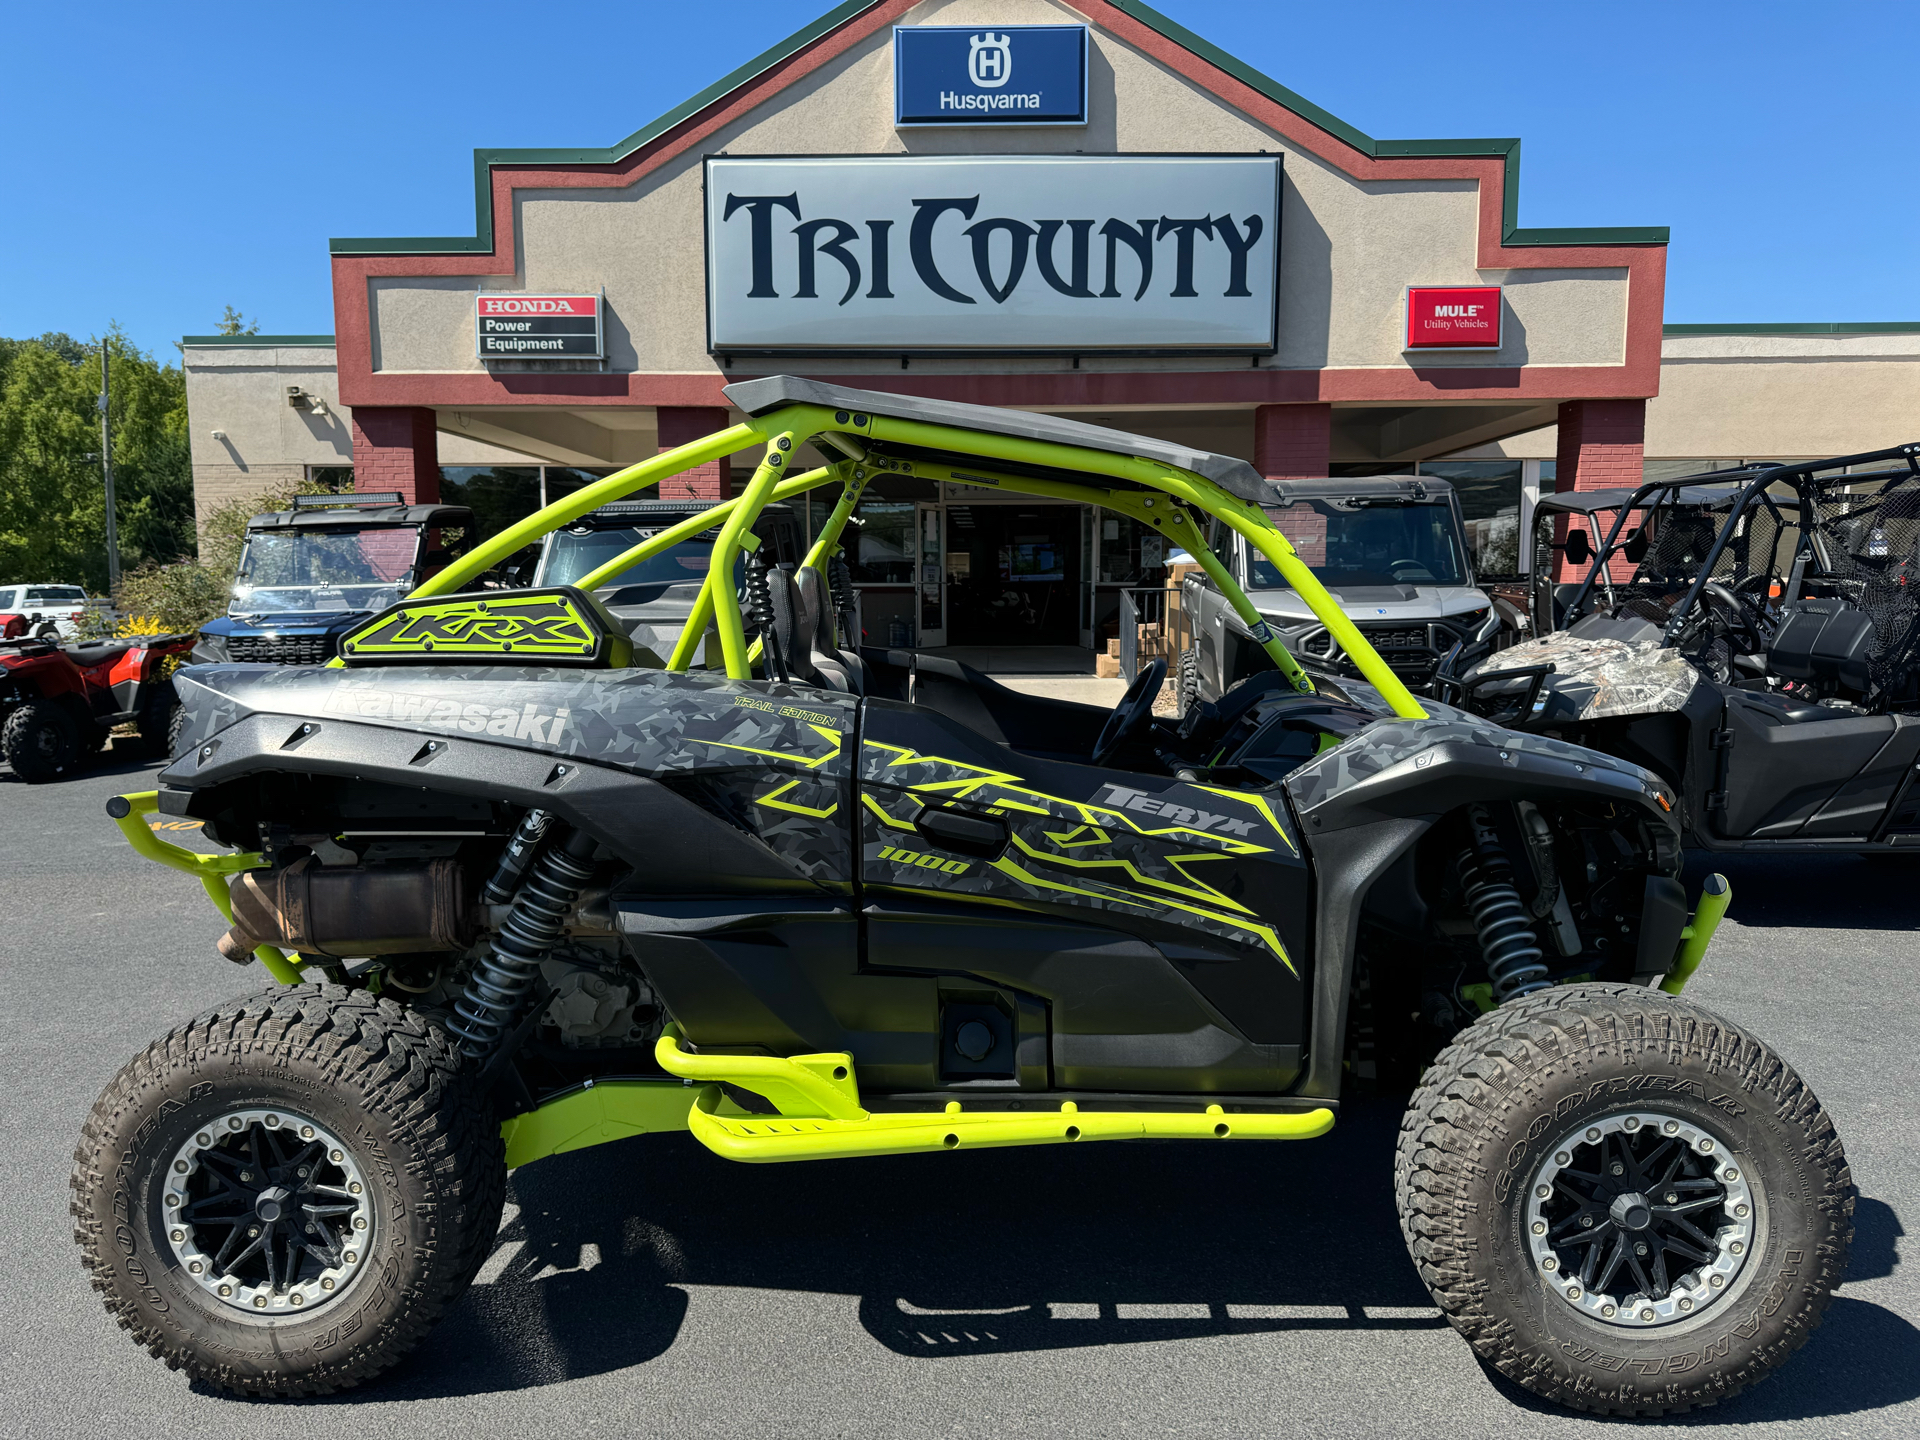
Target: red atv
[{"x": 58, "y": 702}]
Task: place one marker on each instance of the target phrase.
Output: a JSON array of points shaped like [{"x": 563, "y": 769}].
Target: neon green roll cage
[{"x": 1161, "y": 496}]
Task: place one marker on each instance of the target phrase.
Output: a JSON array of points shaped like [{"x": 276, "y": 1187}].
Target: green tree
[
  {"x": 234, "y": 323},
  {"x": 52, "y": 500}
]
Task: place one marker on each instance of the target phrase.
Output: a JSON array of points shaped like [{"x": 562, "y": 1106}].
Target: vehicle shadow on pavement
[
  {"x": 998, "y": 1251},
  {"x": 120, "y": 759},
  {"x": 1816, "y": 892}
]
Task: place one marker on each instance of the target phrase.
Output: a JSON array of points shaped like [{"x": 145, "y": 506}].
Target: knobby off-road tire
[
  {"x": 160, "y": 721},
  {"x": 1526, "y": 1086},
  {"x": 365, "y": 1093},
  {"x": 41, "y": 742}
]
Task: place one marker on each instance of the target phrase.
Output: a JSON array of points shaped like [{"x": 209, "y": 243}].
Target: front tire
[
  {"x": 41, "y": 742},
  {"x": 328, "y": 1127},
  {"x": 1624, "y": 1202}
]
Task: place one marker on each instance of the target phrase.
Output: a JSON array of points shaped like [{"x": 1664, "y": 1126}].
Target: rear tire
[
  {"x": 41, "y": 742},
  {"x": 1611, "y": 1077},
  {"x": 371, "y": 1099}
]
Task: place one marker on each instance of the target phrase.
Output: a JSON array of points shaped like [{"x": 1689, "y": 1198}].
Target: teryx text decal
[{"x": 1179, "y": 815}]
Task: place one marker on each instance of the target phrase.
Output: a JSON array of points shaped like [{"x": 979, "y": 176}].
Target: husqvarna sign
[
  {"x": 990, "y": 75},
  {"x": 1066, "y": 253}
]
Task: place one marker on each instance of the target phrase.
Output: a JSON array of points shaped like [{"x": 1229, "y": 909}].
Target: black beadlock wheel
[
  {"x": 282, "y": 1196},
  {"x": 1624, "y": 1202},
  {"x": 41, "y": 742}
]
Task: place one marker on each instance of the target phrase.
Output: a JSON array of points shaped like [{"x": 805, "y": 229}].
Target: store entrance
[{"x": 1014, "y": 574}]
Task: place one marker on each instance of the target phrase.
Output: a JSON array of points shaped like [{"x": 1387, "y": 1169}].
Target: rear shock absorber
[
  {"x": 1508, "y": 943},
  {"x": 760, "y": 604},
  {"x": 840, "y": 579},
  {"x": 503, "y": 976}
]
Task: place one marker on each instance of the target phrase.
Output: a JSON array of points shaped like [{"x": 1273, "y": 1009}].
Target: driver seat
[{"x": 797, "y": 629}]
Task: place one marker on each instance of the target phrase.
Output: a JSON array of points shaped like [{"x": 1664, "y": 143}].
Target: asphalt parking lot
[{"x": 650, "y": 1288}]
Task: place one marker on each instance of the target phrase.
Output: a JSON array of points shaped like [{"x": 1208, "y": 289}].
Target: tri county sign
[{"x": 1065, "y": 253}]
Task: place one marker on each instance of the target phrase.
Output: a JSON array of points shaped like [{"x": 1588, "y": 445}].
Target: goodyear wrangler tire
[
  {"x": 1624, "y": 1202},
  {"x": 282, "y": 1196}
]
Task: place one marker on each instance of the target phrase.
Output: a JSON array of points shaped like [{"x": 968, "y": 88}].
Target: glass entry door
[{"x": 931, "y": 577}]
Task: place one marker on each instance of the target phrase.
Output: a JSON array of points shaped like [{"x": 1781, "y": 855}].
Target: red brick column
[
  {"x": 1599, "y": 448},
  {"x": 680, "y": 424},
  {"x": 1292, "y": 442},
  {"x": 395, "y": 448}
]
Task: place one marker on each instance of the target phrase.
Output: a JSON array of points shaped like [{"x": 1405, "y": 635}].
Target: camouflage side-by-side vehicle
[{"x": 518, "y": 890}]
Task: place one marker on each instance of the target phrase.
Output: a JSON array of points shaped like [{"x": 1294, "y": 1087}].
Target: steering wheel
[
  {"x": 1134, "y": 711},
  {"x": 1725, "y": 625}
]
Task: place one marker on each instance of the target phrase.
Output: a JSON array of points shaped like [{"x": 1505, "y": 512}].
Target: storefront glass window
[
  {"x": 498, "y": 495},
  {"x": 1490, "y": 492},
  {"x": 566, "y": 479},
  {"x": 885, "y": 549},
  {"x": 1131, "y": 553}
]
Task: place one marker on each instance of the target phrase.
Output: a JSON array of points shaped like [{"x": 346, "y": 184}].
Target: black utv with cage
[
  {"x": 521, "y": 885},
  {"x": 1761, "y": 656}
]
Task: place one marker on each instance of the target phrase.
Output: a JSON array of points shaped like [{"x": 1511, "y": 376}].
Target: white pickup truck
[{"x": 1391, "y": 549}]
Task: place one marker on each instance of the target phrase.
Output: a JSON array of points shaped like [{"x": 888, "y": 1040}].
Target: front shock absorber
[
  {"x": 503, "y": 976},
  {"x": 1508, "y": 944}
]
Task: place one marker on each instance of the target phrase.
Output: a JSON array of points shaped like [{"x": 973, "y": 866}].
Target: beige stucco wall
[
  {"x": 1348, "y": 247},
  {"x": 241, "y": 391},
  {"x": 1770, "y": 397}
]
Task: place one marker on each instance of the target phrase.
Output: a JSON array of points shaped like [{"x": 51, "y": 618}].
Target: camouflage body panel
[
  {"x": 1418, "y": 745},
  {"x": 1223, "y": 861},
  {"x": 768, "y": 757},
  {"x": 1595, "y": 678}
]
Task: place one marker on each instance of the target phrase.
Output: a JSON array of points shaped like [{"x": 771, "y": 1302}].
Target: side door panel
[
  {"x": 1812, "y": 779},
  {"x": 1205, "y": 888}
]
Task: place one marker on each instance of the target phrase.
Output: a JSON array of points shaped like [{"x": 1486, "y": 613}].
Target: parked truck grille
[{"x": 282, "y": 649}]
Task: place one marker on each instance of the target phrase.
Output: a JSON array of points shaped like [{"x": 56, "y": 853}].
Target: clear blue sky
[{"x": 162, "y": 161}]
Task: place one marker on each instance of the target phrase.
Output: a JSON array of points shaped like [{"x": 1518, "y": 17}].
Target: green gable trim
[
  {"x": 481, "y": 242},
  {"x": 1802, "y": 327},
  {"x": 252, "y": 342},
  {"x": 1509, "y": 150}
]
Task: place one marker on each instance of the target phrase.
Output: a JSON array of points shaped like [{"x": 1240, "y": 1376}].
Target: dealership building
[{"x": 1081, "y": 209}]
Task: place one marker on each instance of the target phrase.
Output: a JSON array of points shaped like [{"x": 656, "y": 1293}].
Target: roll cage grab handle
[
  {"x": 1165, "y": 505},
  {"x": 1763, "y": 479}
]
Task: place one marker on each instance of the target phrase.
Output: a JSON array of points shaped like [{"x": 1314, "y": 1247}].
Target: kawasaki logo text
[{"x": 528, "y": 722}]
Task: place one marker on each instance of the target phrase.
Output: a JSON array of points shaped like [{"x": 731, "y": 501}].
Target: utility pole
[{"x": 106, "y": 470}]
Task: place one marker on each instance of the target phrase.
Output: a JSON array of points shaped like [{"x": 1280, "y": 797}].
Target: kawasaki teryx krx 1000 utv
[
  {"x": 1761, "y": 659},
  {"x": 518, "y": 891}
]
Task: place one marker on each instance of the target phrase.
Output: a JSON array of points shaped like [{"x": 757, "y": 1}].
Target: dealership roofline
[
  {"x": 481, "y": 242},
  {"x": 1788, "y": 327}
]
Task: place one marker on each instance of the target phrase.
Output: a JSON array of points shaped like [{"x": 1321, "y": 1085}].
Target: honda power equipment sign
[
  {"x": 1000, "y": 75},
  {"x": 537, "y": 327},
  {"x": 1064, "y": 253},
  {"x": 1454, "y": 317}
]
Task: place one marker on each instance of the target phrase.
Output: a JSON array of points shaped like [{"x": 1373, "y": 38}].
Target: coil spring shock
[
  {"x": 759, "y": 603},
  {"x": 840, "y": 580},
  {"x": 503, "y": 977},
  {"x": 1508, "y": 944}
]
